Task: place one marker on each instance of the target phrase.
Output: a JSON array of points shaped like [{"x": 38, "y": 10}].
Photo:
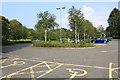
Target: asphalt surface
[{"x": 25, "y": 61}]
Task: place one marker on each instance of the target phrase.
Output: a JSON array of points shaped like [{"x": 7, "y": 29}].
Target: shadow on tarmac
[{"x": 6, "y": 49}]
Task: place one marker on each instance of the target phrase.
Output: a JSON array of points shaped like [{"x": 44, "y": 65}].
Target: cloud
[
  {"x": 65, "y": 22},
  {"x": 89, "y": 14},
  {"x": 87, "y": 10}
]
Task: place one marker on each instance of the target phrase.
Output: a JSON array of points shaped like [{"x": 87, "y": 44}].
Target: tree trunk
[
  {"x": 45, "y": 35},
  {"x": 78, "y": 37},
  {"x": 84, "y": 36},
  {"x": 75, "y": 33},
  {"x": 90, "y": 37}
]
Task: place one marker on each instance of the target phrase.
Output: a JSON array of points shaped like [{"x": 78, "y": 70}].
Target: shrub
[
  {"x": 6, "y": 42},
  {"x": 46, "y": 44},
  {"x": 110, "y": 38},
  {"x": 85, "y": 44},
  {"x": 58, "y": 44},
  {"x": 87, "y": 40},
  {"x": 20, "y": 41}
]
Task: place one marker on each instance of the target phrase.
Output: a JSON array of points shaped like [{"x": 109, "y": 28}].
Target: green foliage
[
  {"x": 57, "y": 44},
  {"x": 79, "y": 25},
  {"x": 75, "y": 18},
  {"x": 87, "y": 40},
  {"x": 113, "y": 30},
  {"x": 17, "y": 30},
  {"x": 88, "y": 29},
  {"x": 53, "y": 35},
  {"x": 84, "y": 44},
  {"x": 4, "y": 23},
  {"x": 46, "y": 22},
  {"x": 45, "y": 29},
  {"x": 100, "y": 28},
  {"x": 110, "y": 38},
  {"x": 20, "y": 41},
  {"x": 6, "y": 42},
  {"x": 47, "y": 44}
]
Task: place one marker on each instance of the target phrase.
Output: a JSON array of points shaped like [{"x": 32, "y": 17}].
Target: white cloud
[
  {"x": 95, "y": 19},
  {"x": 65, "y": 22},
  {"x": 87, "y": 10},
  {"x": 89, "y": 15}
]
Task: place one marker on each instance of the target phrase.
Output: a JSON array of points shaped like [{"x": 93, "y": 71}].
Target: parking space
[
  {"x": 32, "y": 62},
  {"x": 29, "y": 68}
]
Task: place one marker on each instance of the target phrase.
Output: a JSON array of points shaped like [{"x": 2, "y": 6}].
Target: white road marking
[{"x": 49, "y": 64}]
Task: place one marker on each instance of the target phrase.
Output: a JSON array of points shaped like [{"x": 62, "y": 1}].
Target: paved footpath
[{"x": 25, "y": 61}]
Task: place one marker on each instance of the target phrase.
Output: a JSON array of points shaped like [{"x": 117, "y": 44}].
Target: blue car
[{"x": 100, "y": 40}]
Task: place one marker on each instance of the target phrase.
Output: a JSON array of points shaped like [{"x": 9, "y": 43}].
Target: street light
[{"x": 60, "y": 8}]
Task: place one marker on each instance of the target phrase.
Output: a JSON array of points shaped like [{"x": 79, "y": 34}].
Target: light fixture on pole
[{"x": 60, "y": 8}]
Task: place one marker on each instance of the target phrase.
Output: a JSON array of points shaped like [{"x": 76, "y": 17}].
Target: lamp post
[{"x": 60, "y": 8}]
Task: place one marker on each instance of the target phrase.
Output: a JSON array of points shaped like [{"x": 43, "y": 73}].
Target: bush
[
  {"x": 85, "y": 44},
  {"x": 46, "y": 44},
  {"x": 87, "y": 40},
  {"x": 58, "y": 44},
  {"x": 20, "y": 41},
  {"x": 6, "y": 42},
  {"x": 116, "y": 37},
  {"x": 110, "y": 38}
]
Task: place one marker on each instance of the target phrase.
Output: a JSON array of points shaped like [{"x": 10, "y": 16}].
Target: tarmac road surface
[{"x": 25, "y": 61}]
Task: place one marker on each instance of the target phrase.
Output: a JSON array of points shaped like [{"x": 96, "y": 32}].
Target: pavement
[{"x": 26, "y": 61}]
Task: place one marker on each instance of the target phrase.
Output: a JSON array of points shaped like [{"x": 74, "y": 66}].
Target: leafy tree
[
  {"x": 100, "y": 28},
  {"x": 75, "y": 20},
  {"x": 114, "y": 23},
  {"x": 4, "y": 24},
  {"x": 24, "y": 32},
  {"x": 87, "y": 29},
  {"x": 4, "y": 30},
  {"x": 46, "y": 21},
  {"x": 53, "y": 34},
  {"x": 18, "y": 31}
]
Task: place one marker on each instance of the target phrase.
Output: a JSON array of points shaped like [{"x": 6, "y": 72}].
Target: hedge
[
  {"x": 58, "y": 44},
  {"x": 20, "y": 41}
]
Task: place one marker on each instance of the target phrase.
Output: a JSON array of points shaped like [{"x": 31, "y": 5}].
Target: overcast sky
[{"x": 25, "y": 12}]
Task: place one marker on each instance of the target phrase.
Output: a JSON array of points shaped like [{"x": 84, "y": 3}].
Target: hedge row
[
  {"x": 12, "y": 42},
  {"x": 57, "y": 44},
  {"x": 21, "y": 41}
]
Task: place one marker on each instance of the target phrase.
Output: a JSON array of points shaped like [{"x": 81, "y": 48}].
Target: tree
[
  {"x": 100, "y": 28},
  {"x": 4, "y": 30},
  {"x": 4, "y": 24},
  {"x": 46, "y": 21},
  {"x": 114, "y": 23},
  {"x": 87, "y": 29},
  {"x": 18, "y": 31},
  {"x": 75, "y": 20}
]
